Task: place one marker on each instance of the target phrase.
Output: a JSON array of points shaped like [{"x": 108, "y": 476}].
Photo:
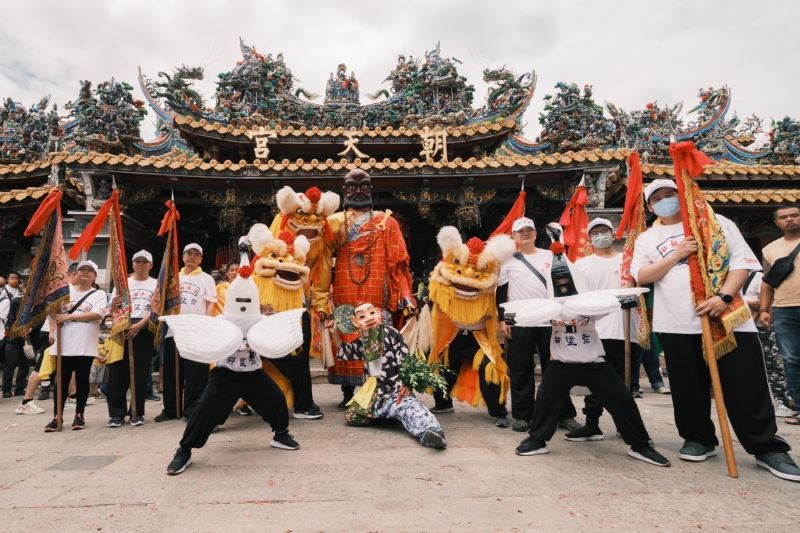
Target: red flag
[
  {"x": 574, "y": 220},
  {"x": 709, "y": 267},
  {"x": 517, "y": 211},
  {"x": 632, "y": 225},
  {"x": 47, "y": 288}
]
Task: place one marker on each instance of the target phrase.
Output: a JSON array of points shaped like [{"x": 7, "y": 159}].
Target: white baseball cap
[
  {"x": 599, "y": 222},
  {"x": 144, "y": 254},
  {"x": 193, "y": 246},
  {"x": 658, "y": 184},
  {"x": 88, "y": 263},
  {"x": 522, "y": 222}
]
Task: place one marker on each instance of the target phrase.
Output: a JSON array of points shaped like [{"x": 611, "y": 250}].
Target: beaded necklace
[{"x": 349, "y": 252}]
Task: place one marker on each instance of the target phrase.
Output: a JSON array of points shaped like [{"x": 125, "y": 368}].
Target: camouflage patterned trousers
[{"x": 773, "y": 360}]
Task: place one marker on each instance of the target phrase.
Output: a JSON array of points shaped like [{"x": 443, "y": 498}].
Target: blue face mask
[{"x": 667, "y": 207}]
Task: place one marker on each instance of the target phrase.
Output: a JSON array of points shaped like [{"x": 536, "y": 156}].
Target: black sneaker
[
  {"x": 137, "y": 420},
  {"x": 164, "y": 416},
  {"x": 44, "y": 394},
  {"x": 312, "y": 413},
  {"x": 520, "y": 425},
  {"x": 284, "y": 441},
  {"x": 648, "y": 454},
  {"x": 444, "y": 408},
  {"x": 246, "y": 411},
  {"x": 636, "y": 394},
  {"x": 584, "y": 434},
  {"x": 78, "y": 423},
  {"x": 181, "y": 461},
  {"x": 531, "y": 446},
  {"x": 568, "y": 423},
  {"x": 115, "y": 422},
  {"x": 152, "y": 398},
  {"x": 779, "y": 464},
  {"x": 7, "y": 395},
  {"x": 51, "y": 426},
  {"x": 696, "y": 452},
  {"x": 433, "y": 438},
  {"x": 502, "y": 422},
  {"x": 343, "y": 403}
]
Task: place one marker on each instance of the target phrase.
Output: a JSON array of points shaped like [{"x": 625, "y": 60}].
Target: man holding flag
[
  {"x": 673, "y": 261},
  {"x": 142, "y": 288}
]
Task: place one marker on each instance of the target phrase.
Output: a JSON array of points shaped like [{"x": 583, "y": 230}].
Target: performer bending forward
[
  {"x": 384, "y": 395},
  {"x": 234, "y": 377},
  {"x": 579, "y": 359}
]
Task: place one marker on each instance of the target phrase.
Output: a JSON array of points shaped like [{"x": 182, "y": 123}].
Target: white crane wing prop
[
  {"x": 277, "y": 335},
  {"x": 204, "y": 339}
]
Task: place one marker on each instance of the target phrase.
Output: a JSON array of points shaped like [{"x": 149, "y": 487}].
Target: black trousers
[
  {"x": 463, "y": 349},
  {"x": 119, "y": 375},
  {"x": 604, "y": 383},
  {"x": 297, "y": 369},
  {"x": 521, "y": 347},
  {"x": 615, "y": 356},
  {"x": 192, "y": 379},
  {"x": 744, "y": 384},
  {"x": 81, "y": 365},
  {"x": 224, "y": 388},
  {"x": 15, "y": 359}
]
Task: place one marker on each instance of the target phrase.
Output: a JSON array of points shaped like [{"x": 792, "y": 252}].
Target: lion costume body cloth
[
  {"x": 462, "y": 289},
  {"x": 372, "y": 266}
]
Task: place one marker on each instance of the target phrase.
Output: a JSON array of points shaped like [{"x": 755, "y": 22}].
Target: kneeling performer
[
  {"x": 383, "y": 395},
  {"x": 578, "y": 359},
  {"x": 234, "y": 341}
]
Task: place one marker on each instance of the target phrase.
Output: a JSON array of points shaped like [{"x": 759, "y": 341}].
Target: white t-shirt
[
  {"x": 196, "y": 291},
  {"x": 522, "y": 283},
  {"x": 244, "y": 360},
  {"x": 753, "y": 292},
  {"x": 600, "y": 273},
  {"x": 142, "y": 293},
  {"x": 673, "y": 306},
  {"x": 80, "y": 338},
  {"x": 575, "y": 340},
  {"x": 14, "y": 291},
  {"x": 5, "y": 307}
]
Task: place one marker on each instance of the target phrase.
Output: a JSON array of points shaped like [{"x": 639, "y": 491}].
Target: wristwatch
[{"x": 727, "y": 298}]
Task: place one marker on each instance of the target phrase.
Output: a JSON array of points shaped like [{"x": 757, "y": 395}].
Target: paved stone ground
[{"x": 367, "y": 479}]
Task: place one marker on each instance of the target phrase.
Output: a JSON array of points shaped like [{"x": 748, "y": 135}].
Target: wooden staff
[
  {"x": 178, "y": 410},
  {"x": 59, "y": 389},
  {"x": 719, "y": 400},
  {"x": 132, "y": 374},
  {"x": 626, "y": 325}
]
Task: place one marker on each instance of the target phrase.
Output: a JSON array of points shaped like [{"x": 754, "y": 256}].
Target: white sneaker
[
  {"x": 90, "y": 400},
  {"x": 29, "y": 408},
  {"x": 781, "y": 411},
  {"x": 70, "y": 403}
]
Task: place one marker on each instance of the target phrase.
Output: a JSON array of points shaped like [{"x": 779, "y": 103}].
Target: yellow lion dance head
[
  {"x": 306, "y": 213},
  {"x": 279, "y": 267},
  {"x": 463, "y": 283}
]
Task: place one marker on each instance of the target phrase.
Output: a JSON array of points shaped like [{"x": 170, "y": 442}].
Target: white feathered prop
[
  {"x": 208, "y": 339},
  {"x": 533, "y": 312}
]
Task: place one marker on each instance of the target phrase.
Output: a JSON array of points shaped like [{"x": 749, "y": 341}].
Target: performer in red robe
[{"x": 372, "y": 266}]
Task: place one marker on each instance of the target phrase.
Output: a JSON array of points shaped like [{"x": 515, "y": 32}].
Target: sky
[{"x": 631, "y": 52}]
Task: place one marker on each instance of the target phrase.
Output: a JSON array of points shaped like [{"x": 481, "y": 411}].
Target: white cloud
[{"x": 631, "y": 52}]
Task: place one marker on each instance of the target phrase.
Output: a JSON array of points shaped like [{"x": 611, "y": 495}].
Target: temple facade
[{"x": 436, "y": 158}]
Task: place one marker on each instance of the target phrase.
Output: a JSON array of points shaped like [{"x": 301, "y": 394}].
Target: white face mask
[{"x": 602, "y": 240}]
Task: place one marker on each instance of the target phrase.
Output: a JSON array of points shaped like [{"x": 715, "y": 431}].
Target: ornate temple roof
[{"x": 753, "y": 196}]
